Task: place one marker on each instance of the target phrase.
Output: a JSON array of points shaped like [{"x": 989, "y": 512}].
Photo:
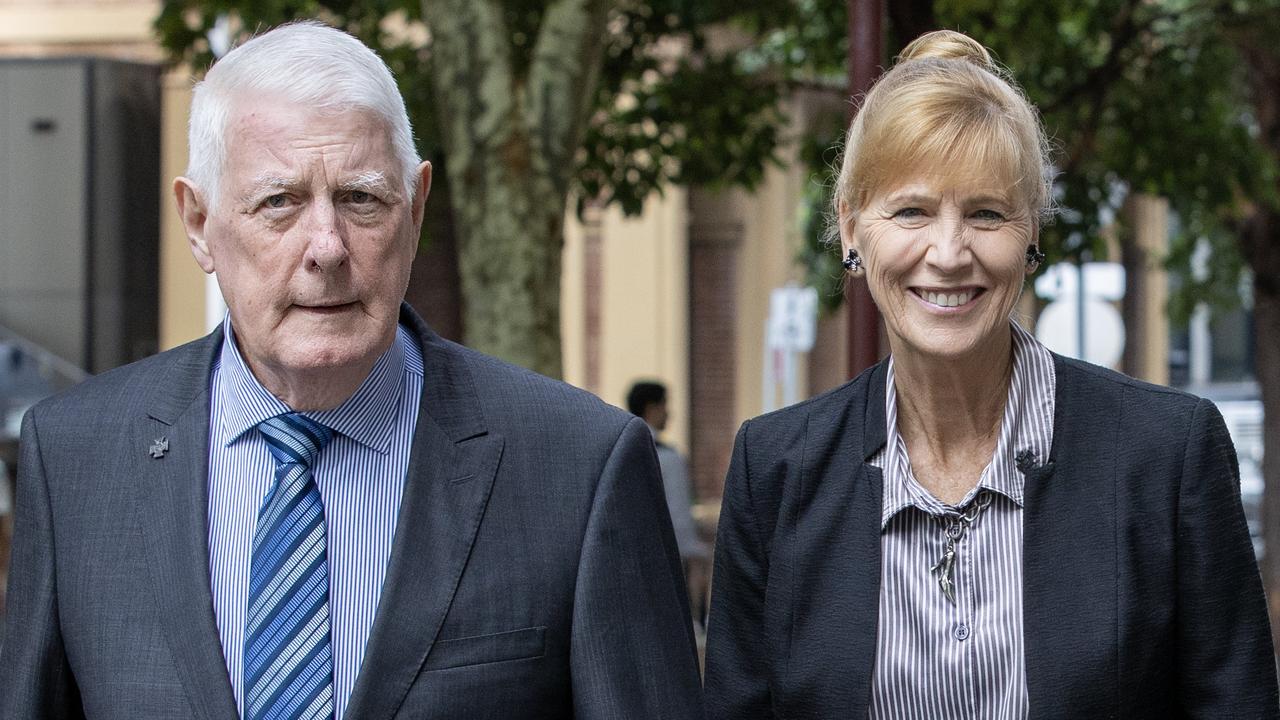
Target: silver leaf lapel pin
[{"x": 159, "y": 447}]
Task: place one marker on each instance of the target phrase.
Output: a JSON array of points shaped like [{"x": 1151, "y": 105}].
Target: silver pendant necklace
[{"x": 954, "y": 529}]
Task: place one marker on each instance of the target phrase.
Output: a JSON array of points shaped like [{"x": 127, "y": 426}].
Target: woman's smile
[{"x": 947, "y": 300}]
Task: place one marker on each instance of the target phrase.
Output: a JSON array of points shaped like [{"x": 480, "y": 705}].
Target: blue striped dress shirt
[
  {"x": 360, "y": 475},
  {"x": 941, "y": 661}
]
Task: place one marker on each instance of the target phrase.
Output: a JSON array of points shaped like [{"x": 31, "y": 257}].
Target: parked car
[{"x": 28, "y": 373}]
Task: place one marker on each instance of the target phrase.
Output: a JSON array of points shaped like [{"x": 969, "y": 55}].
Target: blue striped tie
[{"x": 288, "y": 660}]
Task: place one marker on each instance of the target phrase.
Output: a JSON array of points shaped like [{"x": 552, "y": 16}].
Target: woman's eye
[
  {"x": 989, "y": 216},
  {"x": 909, "y": 213},
  {"x": 276, "y": 201}
]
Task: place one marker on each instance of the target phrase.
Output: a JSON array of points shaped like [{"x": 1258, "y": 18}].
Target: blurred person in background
[
  {"x": 975, "y": 527},
  {"x": 648, "y": 401},
  {"x": 323, "y": 509}
]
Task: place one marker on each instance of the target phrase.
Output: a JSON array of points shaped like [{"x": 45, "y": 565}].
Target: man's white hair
[{"x": 306, "y": 63}]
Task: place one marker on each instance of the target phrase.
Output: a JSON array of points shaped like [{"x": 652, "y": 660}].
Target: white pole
[
  {"x": 1200, "y": 352},
  {"x": 790, "y": 394}
]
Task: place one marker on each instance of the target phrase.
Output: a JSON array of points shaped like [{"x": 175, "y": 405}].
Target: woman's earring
[
  {"x": 852, "y": 262},
  {"x": 1034, "y": 257}
]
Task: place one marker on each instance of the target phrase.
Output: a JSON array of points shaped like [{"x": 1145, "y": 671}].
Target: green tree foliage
[
  {"x": 678, "y": 101},
  {"x": 675, "y": 107},
  {"x": 1136, "y": 96}
]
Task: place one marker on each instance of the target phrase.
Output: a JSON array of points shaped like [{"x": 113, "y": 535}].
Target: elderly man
[{"x": 322, "y": 509}]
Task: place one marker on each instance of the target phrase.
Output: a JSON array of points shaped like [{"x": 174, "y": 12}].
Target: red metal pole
[{"x": 866, "y": 51}]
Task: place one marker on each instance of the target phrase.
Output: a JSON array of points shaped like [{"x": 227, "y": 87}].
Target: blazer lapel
[
  {"x": 841, "y": 677},
  {"x": 833, "y": 643},
  {"x": 451, "y": 471},
  {"x": 172, "y": 502},
  {"x": 1069, "y": 562}
]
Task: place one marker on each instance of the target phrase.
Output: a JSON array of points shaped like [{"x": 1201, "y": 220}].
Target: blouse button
[{"x": 961, "y": 631}]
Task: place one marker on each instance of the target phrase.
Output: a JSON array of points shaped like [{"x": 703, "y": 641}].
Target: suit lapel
[
  {"x": 172, "y": 502},
  {"x": 833, "y": 644},
  {"x": 1069, "y": 559},
  {"x": 844, "y": 626},
  {"x": 451, "y": 471}
]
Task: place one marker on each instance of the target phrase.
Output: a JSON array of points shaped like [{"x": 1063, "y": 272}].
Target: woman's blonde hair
[{"x": 945, "y": 106}]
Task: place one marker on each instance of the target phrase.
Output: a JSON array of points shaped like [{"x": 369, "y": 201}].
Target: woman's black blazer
[{"x": 1141, "y": 596}]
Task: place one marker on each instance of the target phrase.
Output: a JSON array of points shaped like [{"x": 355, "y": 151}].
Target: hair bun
[{"x": 949, "y": 45}]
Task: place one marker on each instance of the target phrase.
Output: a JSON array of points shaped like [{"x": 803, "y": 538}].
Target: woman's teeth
[{"x": 948, "y": 299}]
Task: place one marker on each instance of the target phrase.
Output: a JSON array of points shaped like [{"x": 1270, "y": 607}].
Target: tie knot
[{"x": 294, "y": 438}]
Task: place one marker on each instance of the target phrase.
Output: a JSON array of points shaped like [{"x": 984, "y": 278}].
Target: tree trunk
[
  {"x": 1262, "y": 235},
  {"x": 1143, "y": 233},
  {"x": 511, "y": 134},
  {"x": 1267, "y": 317},
  {"x": 1259, "y": 240},
  {"x": 1133, "y": 304},
  {"x": 908, "y": 20},
  {"x": 510, "y": 235},
  {"x": 434, "y": 286}
]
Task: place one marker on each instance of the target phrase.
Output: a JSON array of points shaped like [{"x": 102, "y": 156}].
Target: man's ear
[
  {"x": 420, "y": 195},
  {"x": 194, "y": 214}
]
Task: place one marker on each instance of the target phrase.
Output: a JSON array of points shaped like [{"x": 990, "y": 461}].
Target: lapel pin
[{"x": 159, "y": 447}]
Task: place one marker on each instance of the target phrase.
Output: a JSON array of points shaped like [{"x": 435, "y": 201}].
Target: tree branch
[
  {"x": 471, "y": 71},
  {"x": 1125, "y": 30},
  {"x": 1099, "y": 82},
  {"x": 562, "y": 76}
]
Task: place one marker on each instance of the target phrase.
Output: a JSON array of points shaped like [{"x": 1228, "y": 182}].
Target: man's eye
[
  {"x": 909, "y": 213},
  {"x": 360, "y": 197},
  {"x": 276, "y": 201}
]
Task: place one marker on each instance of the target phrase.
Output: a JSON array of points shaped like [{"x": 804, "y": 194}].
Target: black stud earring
[
  {"x": 852, "y": 262},
  {"x": 1034, "y": 257}
]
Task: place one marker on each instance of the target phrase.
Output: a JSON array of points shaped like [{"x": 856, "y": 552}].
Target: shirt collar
[
  {"x": 1026, "y": 428},
  {"x": 366, "y": 417}
]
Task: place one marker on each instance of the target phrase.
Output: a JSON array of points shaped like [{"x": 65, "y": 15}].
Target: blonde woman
[{"x": 977, "y": 528}]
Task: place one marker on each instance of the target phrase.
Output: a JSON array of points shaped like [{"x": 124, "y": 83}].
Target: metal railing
[{"x": 28, "y": 373}]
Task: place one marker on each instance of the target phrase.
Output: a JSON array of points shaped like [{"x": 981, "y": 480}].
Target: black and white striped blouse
[{"x": 934, "y": 659}]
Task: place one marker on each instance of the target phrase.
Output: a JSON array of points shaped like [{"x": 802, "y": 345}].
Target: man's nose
[{"x": 326, "y": 237}]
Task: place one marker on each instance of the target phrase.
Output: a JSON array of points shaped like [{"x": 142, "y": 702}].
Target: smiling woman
[
  {"x": 977, "y": 527},
  {"x": 945, "y": 262}
]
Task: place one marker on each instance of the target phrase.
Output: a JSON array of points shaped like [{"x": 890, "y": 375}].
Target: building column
[
  {"x": 715, "y": 243},
  {"x": 593, "y": 296},
  {"x": 1145, "y": 242}
]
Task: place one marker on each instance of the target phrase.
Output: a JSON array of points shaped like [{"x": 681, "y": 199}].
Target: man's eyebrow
[
  {"x": 372, "y": 181},
  {"x": 266, "y": 183}
]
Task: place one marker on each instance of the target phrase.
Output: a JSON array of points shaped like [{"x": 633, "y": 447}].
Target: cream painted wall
[
  {"x": 573, "y": 344},
  {"x": 645, "y": 295},
  {"x": 119, "y": 28},
  {"x": 182, "y": 282},
  {"x": 644, "y": 305},
  {"x": 771, "y": 243}
]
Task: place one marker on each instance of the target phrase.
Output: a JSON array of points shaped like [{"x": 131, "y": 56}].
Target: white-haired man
[{"x": 323, "y": 510}]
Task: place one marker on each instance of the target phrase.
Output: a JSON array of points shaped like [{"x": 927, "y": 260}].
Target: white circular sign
[{"x": 1103, "y": 331}]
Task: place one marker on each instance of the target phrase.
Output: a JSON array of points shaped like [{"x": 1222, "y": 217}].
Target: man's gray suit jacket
[{"x": 534, "y": 572}]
